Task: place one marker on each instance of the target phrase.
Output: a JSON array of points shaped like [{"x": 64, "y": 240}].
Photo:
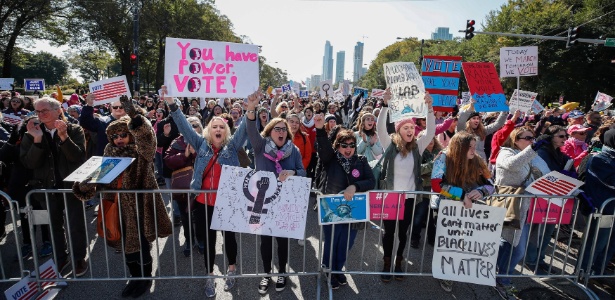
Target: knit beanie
[
  {"x": 473, "y": 114},
  {"x": 329, "y": 117},
  {"x": 401, "y": 123}
]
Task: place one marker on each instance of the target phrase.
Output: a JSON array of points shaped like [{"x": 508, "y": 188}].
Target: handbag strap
[
  {"x": 215, "y": 159},
  {"x": 119, "y": 186}
]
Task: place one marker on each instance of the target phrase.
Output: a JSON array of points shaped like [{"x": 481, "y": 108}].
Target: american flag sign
[
  {"x": 554, "y": 184},
  {"x": 12, "y": 119},
  {"x": 110, "y": 89},
  {"x": 377, "y": 93}
]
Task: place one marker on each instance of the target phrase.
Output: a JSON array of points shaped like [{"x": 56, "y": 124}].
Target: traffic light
[
  {"x": 573, "y": 35},
  {"x": 134, "y": 63},
  {"x": 469, "y": 29}
]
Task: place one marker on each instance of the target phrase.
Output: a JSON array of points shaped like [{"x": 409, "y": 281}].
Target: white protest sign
[
  {"x": 5, "y": 83},
  {"x": 100, "y": 169},
  {"x": 377, "y": 93},
  {"x": 197, "y": 68},
  {"x": 465, "y": 98},
  {"x": 109, "y": 90},
  {"x": 338, "y": 95},
  {"x": 518, "y": 61},
  {"x": 256, "y": 202},
  {"x": 12, "y": 119},
  {"x": 522, "y": 100},
  {"x": 554, "y": 184},
  {"x": 601, "y": 102},
  {"x": 537, "y": 107},
  {"x": 408, "y": 91},
  {"x": 26, "y": 288},
  {"x": 325, "y": 89},
  {"x": 346, "y": 87},
  {"x": 467, "y": 242}
]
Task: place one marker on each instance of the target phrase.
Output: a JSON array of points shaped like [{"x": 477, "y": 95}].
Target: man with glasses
[
  {"x": 53, "y": 149},
  {"x": 99, "y": 125}
]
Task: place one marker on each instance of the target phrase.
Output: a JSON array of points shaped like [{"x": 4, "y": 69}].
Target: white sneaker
[{"x": 301, "y": 242}]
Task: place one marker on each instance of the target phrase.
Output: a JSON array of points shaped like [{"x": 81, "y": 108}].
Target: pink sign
[{"x": 386, "y": 206}]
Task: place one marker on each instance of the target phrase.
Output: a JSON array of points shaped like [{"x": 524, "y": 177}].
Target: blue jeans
[
  {"x": 504, "y": 255},
  {"x": 176, "y": 211},
  {"x": 342, "y": 238},
  {"x": 601, "y": 253},
  {"x": 420, "y": 215},
  {"x": 541, "y": 242}
]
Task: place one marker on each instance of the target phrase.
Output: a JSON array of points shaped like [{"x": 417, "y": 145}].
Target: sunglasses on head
[
  {"x": 527, "y": 138},
  {"x": 280, "y": 129},
  {"x": 351, "y": 145},
  {"x": 284, "y": 106},
  {"x": 561, "y": 136},
  {"x": 119, "y": 135},
  {"x": 194, "y": 125},
  {"x": 117, "y": 107}
]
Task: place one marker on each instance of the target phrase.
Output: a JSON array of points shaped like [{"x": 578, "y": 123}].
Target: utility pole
[{"x": 135, "y": 47}]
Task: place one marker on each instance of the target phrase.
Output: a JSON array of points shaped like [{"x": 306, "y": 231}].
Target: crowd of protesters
[{"x": 335, "y": 143}]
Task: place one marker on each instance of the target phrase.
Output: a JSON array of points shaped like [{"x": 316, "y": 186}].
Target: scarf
[
  {"x": 578, "y": 143},
  {"x": 276, "y": 155},
  {"x": 346, "y": 163},
  {"x": 306, "y": 123}
]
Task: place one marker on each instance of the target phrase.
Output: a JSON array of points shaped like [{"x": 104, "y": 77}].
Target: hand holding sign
[
  {"x": 386, "y": 96},
  {"x": 163, "y": 93},
  {"x": 429, "y": 101},
  {"x": 89, "y": 100}
]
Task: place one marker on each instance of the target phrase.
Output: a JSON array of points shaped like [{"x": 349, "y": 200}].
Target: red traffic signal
[
  {"x": 133, "y": 57},
  {"x": 470, "y": 29}
]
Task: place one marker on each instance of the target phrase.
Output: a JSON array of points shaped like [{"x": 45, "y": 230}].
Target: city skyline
[
  {"x": 340, "y": 59},
  {"x": 327, "y": 62},
  {"x": 357, "y": 61}
]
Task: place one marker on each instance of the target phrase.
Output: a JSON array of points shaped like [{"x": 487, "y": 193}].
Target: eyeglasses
[
  {"x": 351, "y": 145},
  {"x": 41, "y": 112},
  {"x": 119, "y": 135},
  {"x": 117, "y": 107},
  {"x": 284, "y": 106},
  {"x": 280, "y": 129},
  {"x": 561, "y": 136},
  {"x": 15, "y": 101},
  {"x": 194, "y": 125},
  {"x": 527, "y": 138}
]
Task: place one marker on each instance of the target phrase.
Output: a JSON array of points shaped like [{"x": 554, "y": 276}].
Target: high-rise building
[
  {"x": 339, "y": 66},
  {"x": 308, "y": 83},
  {"x": 442, "y": 34},
  {"x": 358, "y": 62},
  {"x": 327, "y": 62},
  {"x": 315, "y": 81}
]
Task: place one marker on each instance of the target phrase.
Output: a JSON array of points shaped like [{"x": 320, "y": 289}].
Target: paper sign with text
[
  {"x": 34, "y": 84},
  {"x": 377, "y": 93},
  {"x": 522, "y": 100},
  {"x": 601, "y": 102},
  {"x": 109, "y": 90},
  {"x": 518, "y": 61},
  {"x": 198, "y": 68},
  {"x": 554, "y": 184},
  {"x": 441, "y": 78},
  {"x": 360, "y": 91},
  {"x": 334, "y": 209},
  {"x": 5, "y": 83},
  {"x": 26, "y": 288},
  {"x": 467, "y": 242},
  {"x": 338, "y": 95},
  {"x": 325, "y": 89},
  {"x": 465, "y": 98},
  {"x": 256, "y": 202},
  {"x": 100, "y": 169},
  {"x": 387, "y": 206},
  {"x": 485, "y": 86},
  {"x": 304, "y": 94},
  {"x": 11, "y": 119},
  {"x": 285, "y": 88},
  {"x": 407, "y": 89},
  {"x": 537, "y": 107}
]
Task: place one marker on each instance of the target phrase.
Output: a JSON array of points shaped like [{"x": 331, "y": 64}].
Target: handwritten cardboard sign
[
  {"x": 441, "y": 78},
  {"x": 522, "y": 100},
  {"x": 109, "y": 90},
  {"x": 256, "y": 202},
  {"x": 518, "y": 61},
  {"x": 485, "y": 86},
  {"x": 334, "y": 209},
  {"x": 408, "y": 91},
  {"x": 198, "y": 68},
  {"x": 467, "y": 242}
]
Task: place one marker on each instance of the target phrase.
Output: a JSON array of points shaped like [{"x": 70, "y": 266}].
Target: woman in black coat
[{"x": 342, "y": 171}]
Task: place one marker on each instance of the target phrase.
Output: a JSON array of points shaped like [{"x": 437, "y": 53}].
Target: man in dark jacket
[
  {"x": 99, "y": 124},
  {"x": 53, "y": 149}
]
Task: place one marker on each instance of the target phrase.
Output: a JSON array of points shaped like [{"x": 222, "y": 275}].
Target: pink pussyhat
[{"x": 401, "y": 123}]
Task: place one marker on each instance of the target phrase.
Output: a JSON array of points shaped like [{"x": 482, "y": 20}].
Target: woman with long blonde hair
[{"x": 471, "y": 121}]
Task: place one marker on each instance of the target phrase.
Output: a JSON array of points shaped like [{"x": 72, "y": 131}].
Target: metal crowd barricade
[
  {"x": 419, "y": 261},
  {"x": 598, "y": 236},
  {"x": 104, "y": 265},
  {"x": 7, "y": 270}
]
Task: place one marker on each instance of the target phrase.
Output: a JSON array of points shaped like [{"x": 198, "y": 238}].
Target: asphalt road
[{"x": 105, "y": 277}]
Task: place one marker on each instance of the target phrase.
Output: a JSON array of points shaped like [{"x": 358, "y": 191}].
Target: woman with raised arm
[
  {"x": 214, "y": 148},
  {"x": 470, "y": 120},
  {"x": 275, "y": 152},
  {"x": 401, "y": 170}
]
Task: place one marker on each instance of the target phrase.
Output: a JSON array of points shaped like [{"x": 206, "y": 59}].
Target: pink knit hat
[{"x": 401, "y": 123}]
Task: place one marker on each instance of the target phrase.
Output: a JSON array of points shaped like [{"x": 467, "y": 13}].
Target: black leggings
[
  {"x": 206, "y": 234},
  {"x": 267, "y": 255},
  {"x": 388, "y": 239}
]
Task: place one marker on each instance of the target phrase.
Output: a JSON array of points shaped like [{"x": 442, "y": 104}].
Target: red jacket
[
  {"x": 499, "y": 137},
  {"x": 302, "y": 141}
]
